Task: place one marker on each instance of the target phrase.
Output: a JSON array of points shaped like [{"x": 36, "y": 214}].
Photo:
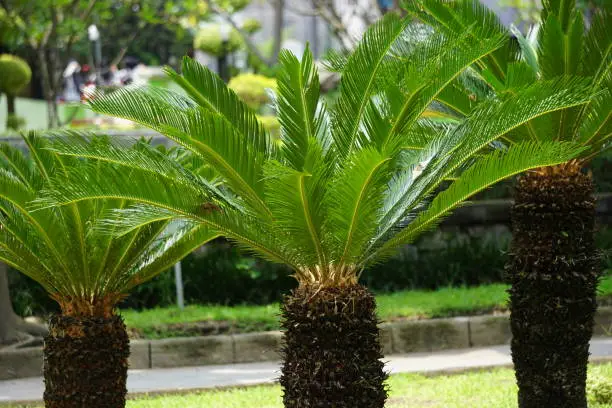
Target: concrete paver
[{"x": 192, "y": 378}]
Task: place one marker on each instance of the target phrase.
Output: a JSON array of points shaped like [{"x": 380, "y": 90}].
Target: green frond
[
  {"x": 491, "y": 121},
  {"x": 125, "y": 152},
  {"x": 353, "y": 200},
  {"x": 296, "y": 201},
  {"x": 597, "y": 55},
  {"x": 215, "y": 140},
  {"x": 168, "y": 249},
  {"x": 596, "y": 128},
  {"x": 560, "y": 46},
  {"x": 148, "y": 106},
  {"x": 299, "y": 111},
  {"x": 563, "y": 10},
  {"x": 485, "y": 172},
  {"x": 209, "y": 91},
  {"x": 14, "y": 160},
  {"x": 96, "y": 181},
  {"x": 335, "y": 61},
  {"x": 62, "y": 247},
  {"x": 455, "y": 17},
  {"x": 528, "y": 52},
  {"x": 439, "y": 62},
  {"x": 358, "y": 82}
]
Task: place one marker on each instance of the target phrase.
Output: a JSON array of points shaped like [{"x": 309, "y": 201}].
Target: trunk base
[
  {"x": 86, "y": 362},
  {"x": 554, "y": 271},
  {"x": 332, "y": 351}
]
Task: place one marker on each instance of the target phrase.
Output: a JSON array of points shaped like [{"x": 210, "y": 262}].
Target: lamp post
[
  {"x": 94, "y": 37},
  {"x": 225, "y": 31}
]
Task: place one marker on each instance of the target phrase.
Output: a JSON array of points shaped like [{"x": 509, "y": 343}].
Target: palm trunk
[
  {"x": 554, "y": 271},
  {"x": 86, "y": 362},
  {"x": 332, "y": 350}
]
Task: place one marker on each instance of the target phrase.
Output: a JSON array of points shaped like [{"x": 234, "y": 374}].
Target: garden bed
[{"x": 196, "y": 320}]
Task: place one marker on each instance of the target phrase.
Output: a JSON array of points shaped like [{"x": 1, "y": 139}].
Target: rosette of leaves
[{"x": 84, "y": 266}]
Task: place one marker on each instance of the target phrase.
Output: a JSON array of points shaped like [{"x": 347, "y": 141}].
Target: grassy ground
[
  {"x": 484, "y": 389},
  {"x": 169, "y": 322}
]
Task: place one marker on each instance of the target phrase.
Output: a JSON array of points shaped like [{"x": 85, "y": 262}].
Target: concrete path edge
[{"x": 397, "y": 337}]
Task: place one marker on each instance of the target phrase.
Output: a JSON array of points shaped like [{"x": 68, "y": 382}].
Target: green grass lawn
[
  {"x": 485, "y": 389},
  {"x": 153, "y": 323}
]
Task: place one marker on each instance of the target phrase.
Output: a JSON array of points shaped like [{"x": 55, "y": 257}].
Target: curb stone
[{"x": 397, "y": 337}]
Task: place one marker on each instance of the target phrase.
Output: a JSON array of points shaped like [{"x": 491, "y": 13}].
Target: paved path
[{"x": 188, "y": 378}]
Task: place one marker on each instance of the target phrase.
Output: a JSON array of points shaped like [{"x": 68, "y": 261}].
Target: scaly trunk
[
  {"x": 332, "y": 351},
  {"x": 86, "y": 362},
  {"x": 554, "y": 271}
]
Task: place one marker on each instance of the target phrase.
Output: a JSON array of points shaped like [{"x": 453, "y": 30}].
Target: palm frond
[
  {"x": 487, "y": 171},
  {"x": 167, "y": 249},
  {"x": 299, "y": 111},
  {"x": 95, "y": 181},
  {"x": 296, "y": 201},
  {"x": 490, "y": 122},
  {"x": 353, "y": 201},
  {"x": 359, "y": 78},
  {"x": 209, "y": 91}
]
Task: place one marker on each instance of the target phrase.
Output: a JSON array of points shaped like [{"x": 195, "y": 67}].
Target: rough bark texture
[
  {"x": 332, "y": 351},
  {"x": 554, "y": 271},
  {"x": 86, "y": 362},
  {"x": 14, "y": 331}
]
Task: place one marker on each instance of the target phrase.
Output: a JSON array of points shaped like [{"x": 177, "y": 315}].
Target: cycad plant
[
  {"x": 84, "y": 268},
  {"x": 345, "y": 188},
  {"x": 553, "y": 266}
]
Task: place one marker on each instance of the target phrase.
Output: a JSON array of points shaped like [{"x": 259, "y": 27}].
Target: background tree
[
  {"x": 56, "y": 29},
  {"x": 13, "y": 329},
  {"x": 554, "y": 265},
  {"x": 84, "y": 268},
  {"x": 343, "y": 191}
]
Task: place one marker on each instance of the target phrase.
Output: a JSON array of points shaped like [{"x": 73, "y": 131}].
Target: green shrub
[
  {"x": 599, "y": 390},
  {"x": 272, "y": 125},
  {"x": 15, "y": 122},
  {"x": 252, "y": 89},
  {"x": 15, "y": 74},
  {"x": 251, "y": 25},
  {"x": 209, "y": 40},
  {"x": 233, "y": 6}
]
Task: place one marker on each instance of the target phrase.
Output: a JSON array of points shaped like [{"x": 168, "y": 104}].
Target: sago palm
[
  {"x": 345, "y": 188},
  {"x": 553, "y": 265},
  {"x": 84, "y": 268}
]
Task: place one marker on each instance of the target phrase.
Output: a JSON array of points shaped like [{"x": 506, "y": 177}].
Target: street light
[{"x": 94, "y": 37}]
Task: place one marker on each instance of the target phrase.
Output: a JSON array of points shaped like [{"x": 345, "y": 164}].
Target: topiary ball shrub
[
  {"x": 210, "y": 41},
  {"x": 599, "y": 390},
  {"x": 252, "y": 89},
  {"x": 272, "y": 125},
  {"x": 251, "y": 25},
  {"x": 15, "y": 73}
]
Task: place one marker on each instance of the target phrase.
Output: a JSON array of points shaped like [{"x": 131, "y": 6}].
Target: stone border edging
[{"x": 397, "y": 337}]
